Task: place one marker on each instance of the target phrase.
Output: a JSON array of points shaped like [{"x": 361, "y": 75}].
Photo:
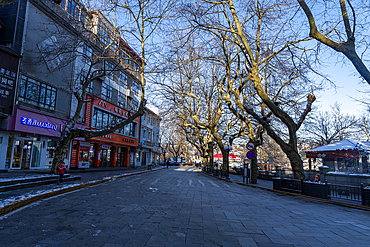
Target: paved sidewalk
[
  {"x": 182, "y": 207},
  {"x": 86, "y": 176}
]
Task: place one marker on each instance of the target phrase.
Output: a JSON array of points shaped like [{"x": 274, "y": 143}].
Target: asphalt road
[{"x": 182, "y": 207}]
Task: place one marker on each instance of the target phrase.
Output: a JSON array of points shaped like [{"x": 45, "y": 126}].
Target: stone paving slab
[{"x": 162, "y": 208}]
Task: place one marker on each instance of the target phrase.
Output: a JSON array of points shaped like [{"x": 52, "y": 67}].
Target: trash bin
[{"x": 150, "y": 166}]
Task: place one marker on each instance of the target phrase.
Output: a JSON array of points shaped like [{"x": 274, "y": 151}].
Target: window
[
  {"x": 144, "y": 135},
  {"x": 37, "y": 93},
  {"x": 101, "y": 119},
  {"x": 106, "y": 91},
  {"x": 73, "y": 9},
  {"x": 124, "y": 56},
  {"x": 136, "y": 66},
  {"x": 89, "y": 88},
  {"x": 134, "y": 105},
  {"x": 123, "y": 79},
  {"x": 87, "y": 54},
  {"x": 122, "y": 100},
  {"x": 130, "y": 129},
  {"x": 135, "y": 88},
  {"x": 149, "y": 136},
  {"x": 104, "y": 34},
  {"x": 109, "y": 71}
]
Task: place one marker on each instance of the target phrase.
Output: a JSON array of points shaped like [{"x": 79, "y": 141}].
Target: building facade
[
  {"x": 57, "y": 44},
  {"x": 148, "y": 150}
]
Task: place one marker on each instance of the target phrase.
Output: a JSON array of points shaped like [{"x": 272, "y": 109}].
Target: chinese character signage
[
  {"x": 36, "y": 123},
  {"x": 8, "y": 75}
]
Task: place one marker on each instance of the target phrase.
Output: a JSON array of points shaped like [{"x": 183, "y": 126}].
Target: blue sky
[{"x": 348, "y": 85}]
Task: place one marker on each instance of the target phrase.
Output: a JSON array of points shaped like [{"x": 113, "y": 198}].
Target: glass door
[
  {"x": 105, "y": 158},
  {"x": 26, "y": 154},
  {"x": 120, "y": 156},
  {"x": 17, "y": 154},
  {"x": 36, "y": 153}
]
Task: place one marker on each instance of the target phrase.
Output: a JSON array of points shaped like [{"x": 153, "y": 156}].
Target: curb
[
  {"x": 367, "y": 208},
  {"x": 17, "y": 204}
]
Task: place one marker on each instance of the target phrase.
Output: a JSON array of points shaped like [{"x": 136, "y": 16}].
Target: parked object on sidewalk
[
  {"x": 61, "y": 170},
  {"x": 149, "y": 166}
]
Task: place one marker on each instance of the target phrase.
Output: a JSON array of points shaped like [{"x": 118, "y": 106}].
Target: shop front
[
  {"x": 110, "y": 150},
  {"x": 31, "y": 139}
]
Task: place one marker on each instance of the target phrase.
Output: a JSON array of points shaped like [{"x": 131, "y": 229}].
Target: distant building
[{"x": 148, "y": 150}]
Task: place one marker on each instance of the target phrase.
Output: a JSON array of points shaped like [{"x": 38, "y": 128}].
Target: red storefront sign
[{"x": 107, "y": 106}]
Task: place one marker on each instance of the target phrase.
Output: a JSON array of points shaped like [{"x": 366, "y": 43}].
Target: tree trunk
[
  {"x": 60, "y": 152},
  {"x": 225, "y": 159},
  {"x": 296, "y": 163},
  {"x": 254, "y": 169},
  {"x": 205, "y": 161}
]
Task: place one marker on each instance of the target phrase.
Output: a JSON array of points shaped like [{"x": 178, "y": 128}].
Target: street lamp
[
  {"x": 227, "y": 149},
  {"x": 164, "y": 158}
]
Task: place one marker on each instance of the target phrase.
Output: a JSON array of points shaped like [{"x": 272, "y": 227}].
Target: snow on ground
[
  {"x": 44, "y": 191},
  {"x": 350, "y": 174},
  {"x": 34, "y": 193},
  {"x": 24, "y": 177}
]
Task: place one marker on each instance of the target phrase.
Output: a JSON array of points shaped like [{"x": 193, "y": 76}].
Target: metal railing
[
  {"x": 348, "y": 192},
  {"x": 324, "y": 190}
]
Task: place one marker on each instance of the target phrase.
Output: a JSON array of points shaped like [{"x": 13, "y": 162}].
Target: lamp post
[
  {"x": 227, "y": 149},
  {"x": 164, "y": 158}
]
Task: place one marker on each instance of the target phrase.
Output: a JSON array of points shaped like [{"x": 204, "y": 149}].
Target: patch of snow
[
  {"x": 24, "y": 177},
  {"x": 10, "y": 200},
  {"x": 350, "y": 174},
  {"x": 153, "y": 189}
]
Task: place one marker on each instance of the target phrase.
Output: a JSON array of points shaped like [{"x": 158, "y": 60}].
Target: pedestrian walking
[
  {"x": 61, "y": 170},
  {"x": 167, "y": 163}
]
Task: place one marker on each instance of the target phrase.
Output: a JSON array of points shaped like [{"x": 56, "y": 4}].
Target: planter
[
  {"x": 315, "y": 190},
  {"x": 277, "y": 183},
  {"x": 366, "y": 197}
]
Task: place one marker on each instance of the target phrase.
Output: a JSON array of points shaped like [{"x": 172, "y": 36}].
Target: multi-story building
[
  {"x": 56, "y": 43},
  {"x": 148, "y": 150}
]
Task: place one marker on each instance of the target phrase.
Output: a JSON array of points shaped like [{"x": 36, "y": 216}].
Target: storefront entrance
[
  {"x": 23, "y": 153},
  {"x": 120, "y": 156},
  {"x": 105, "y": 156},
  {"x": 143, "y": 159}
]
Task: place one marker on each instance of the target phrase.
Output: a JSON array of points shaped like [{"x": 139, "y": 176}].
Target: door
[
  {"x": 105, "y": 158},
  {"x": 26, "y": 154},
  {"x": 17, "y": 154},
  {"x": 120, "y": 156},
  {"x": 143, "y": 158},
  {"x": 36, "y": 153}
]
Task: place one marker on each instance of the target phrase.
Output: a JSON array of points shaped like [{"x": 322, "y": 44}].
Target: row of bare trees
[
  {"x": 250, "y": 68},
  {"x": 226, "y": 69}
]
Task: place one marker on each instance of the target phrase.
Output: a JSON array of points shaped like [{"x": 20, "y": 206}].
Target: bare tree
[
  {"x": 265, "y": 69},
  {"x": 112, "y": 49},
  {"x": 328, "y": 127},
  {"x": 351, "y": 17},
  {"x": 191, "y": 89}
]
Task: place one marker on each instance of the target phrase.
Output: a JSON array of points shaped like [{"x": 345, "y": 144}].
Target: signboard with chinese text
[{"x": 8, "y": 76}]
